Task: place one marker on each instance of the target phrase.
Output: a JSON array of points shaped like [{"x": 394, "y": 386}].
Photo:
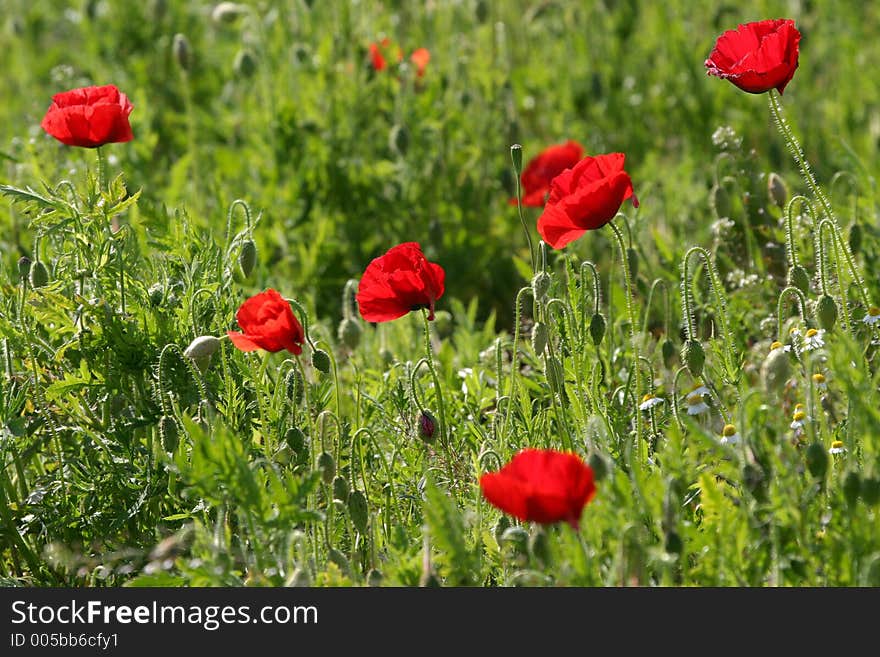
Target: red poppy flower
[
  {"x": 543, "y": 168},
  {"x": 757, "y": 57},
  {"x": 584, "y": 198},
  {"x": 420, "y": 59},
  {"x": 89, "y": 117},
  {"x": 380, "y": 52},
  {"x": 267, "y": 323},
  {"x": 398, "y": 282},
  {"x": 542, "y": 485}
]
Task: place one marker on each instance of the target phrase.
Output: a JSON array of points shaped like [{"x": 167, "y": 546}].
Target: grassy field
[{"x": 126, "y": 463}]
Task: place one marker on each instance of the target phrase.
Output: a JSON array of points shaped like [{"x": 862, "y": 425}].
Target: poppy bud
[
  {"x": 855, "y": 238},
  {"x": 599, "y": 465},
  {"x": 374, "y": 577},
  {"x": 202, "y": 348},
  {"x": 180, "y": 48},
  {"x": 245, "y": 63},
  {"x": 156, "y": 292},
  {"x": 825, "y": 312},
  {"x": 39, "y": 274},
  {"x": 555, "y": 375},
  {"x": 799, "y": 278},
  {"x": 338, "y": 557},
  {"x": 632, "y": 259},
  {"x": 667, "y": 350},
  {"x": 500, "y": 527},
  {"x": 693, "y": 356},
  {"x": 443, "y": 323},
  {"x": 597, "y": 329},
  {"x": 327, "y": 466},
  {"x": 852, "y": 485},
  {"x": 295, "y": 387},
  {"x": 719, "y": 199},
  {"x": 168, "y": 433},
  {"x": 341, "y": 489},
  {"x": 777, "y": 190},
  {"x": 541, "y": 285},
  {"x": 817, "y": 460},
  {"x": 227, "y": 12},
  {"x": 776, "y": 370},
  {"x": 539, "y": 337},
  {"x": 247, "y": 257},
  {"x": 349, "y": 332},
  {"x": 398, "y": 139},
  {"x": 296, "y": 440},
  {"x": 358, "y": 510},
  {"x": 516, "y": 157},
  {"x": 427, "y": 426},
  {"x": 321, "y": 360},
  {"x": 870, "y": 490},
  {"x": 24, "y": 267}
]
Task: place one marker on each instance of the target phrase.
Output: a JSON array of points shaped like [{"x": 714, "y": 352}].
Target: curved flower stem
[
  {"x": 790, "y": 249},
  {"x": 429, "y": 359},
  {"x": 658, "y": 282},
  {"x": 797, "y": 153},
  {"x": 631, "y": 311},
  {"x": 825, "y": 226},
  {"x": 802, "y": 304},
  {"x": 304, "y": 321},
  {"x": 511, "y": 398},
  {"x": 519, "y": 207}
]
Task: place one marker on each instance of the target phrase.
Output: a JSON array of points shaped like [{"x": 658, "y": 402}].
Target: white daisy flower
[
  {"x": 798, "y": 420},
  {"x": 872, "y": 316},
  {"x": 695, "y": 403},
  {"x": 649, "y": 401},
  {"x": 820, "y": 381},
  {"x": 837, "y": 447},
  {"x": 814, "y": 339},
  {"x": 729, "y": 435}
]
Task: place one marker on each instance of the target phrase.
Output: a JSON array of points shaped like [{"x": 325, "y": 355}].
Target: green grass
[{"x": 125, "y": 464}]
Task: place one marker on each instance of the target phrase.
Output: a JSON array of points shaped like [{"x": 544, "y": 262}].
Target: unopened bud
[
  {"x": 321, "y": 360},
  {"x": 202, "y": 347},
  {"x": 227, "y": 12},
  {"x": 555, "y": 374},
  {"x": 327, "y": 466},
  {"x": 181, "y": 50},
  {"x": 341, "y": 489},
  {"x": 719, "y": 199},
  {"x": 777, "y": 190},
  {"x": 799, "y": 278},
  {"x": 776, "y": 369},
  {"x": 39, "y": 274},
  {"x": 516, "y": 157},
  {"x": 358, "y": 510},
  {"x": 247, "y": 257},
  {"x": 539, "y": 338},
  {"x": 245, "y": 63},
  {"x": 24, "y": 267},
  {"x": 349, "y": 332},
  {"x": 693, "y": 356},
  {"x": 541, "y": 285},
  {"x": 826, "y": 312},
  {"x": 398, "y": 139},
  {"x": 295, "y": 386},
  {"x": 817, "y": 460},
  {"x": 427, "y": 426},
  {"x": 667, "y": 350},
  {"x": 168, "y": 433},
  {"x": 855, "y": 237},
  {"x": 481, "y": 11},
  {"x": 597, "y": 329}
]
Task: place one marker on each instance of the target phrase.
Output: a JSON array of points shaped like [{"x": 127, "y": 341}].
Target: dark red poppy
[
  {"x": 543, "y": 168},
  {"x": 398, "y": 282},
  {"x": 267, "y": 322},
  {"x": 757, "y": 57},
  {"x": 584, "y": 198},
  {"x": 542, "y": 485},
  {"x": 420, "y": 58},
  {"x": 381, "y": 51},
  {"x": 89, "y": 117}
]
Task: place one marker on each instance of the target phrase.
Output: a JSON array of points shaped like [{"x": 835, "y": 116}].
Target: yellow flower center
[
  {"x": 728, "y": 430},
  {"x": 811, "y": 333},
  {"x": 799, "y": 416},
  {"x": 794, "y": 330},
  {"x": 837, "y": 444},
  {"x": 874, "y": 311},
  {"x": 798, "y": 407},
  {"x": 776, "y": 344},
  {"x": 694, "y": 399},
  {"x": 647, "y": 397},
  {"x": 819, "y": 378}
]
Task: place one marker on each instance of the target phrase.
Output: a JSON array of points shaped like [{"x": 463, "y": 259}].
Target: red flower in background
[
  {"x": 584, "y": 198},
  {"x": 398, "y": 282},
  {"x": 267, "y": 322},
  {"x": 757, "y": 57},
  {"x": 420, "y": 59},
  {"x": 89, "y": 117},
  {"x": 542, "y": 485},
  {"x": 380, "y": 52},
  {"x": 543, "y": 168}
]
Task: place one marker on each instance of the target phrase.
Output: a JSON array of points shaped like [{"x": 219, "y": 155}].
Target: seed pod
[
  {"x": 341, "y": 489},
  {"x": 817, "y": 460},
  {"x": 541, "y": 285},
  {"x": 181, "y": 50},
  {"x": 168, "y": 433},
  {"x": 719, "y": 200},
  {"x": 667, "y": 350},
  {"x": 247, "y": 257},
  {"x": 798, "y": 277},
  {"x": 358, "y": 510},
  {"x": 852, "y": 485},
  {"x": 349, "y": 332},
  {"x": 321, "y": 360},
  {"x": 39, "y": 274},
  {"x": 295, "y": 386},
  {"x": 855, "y": 237},
  {"x": 245, "y": 63},
  {"x": 826, "y": 312},
  {"x": 555, "y": 375},
  {"x": 693, "y": 356},
  {"x": 398, "y": 139},
  {"x": 776, "y": 370},
  {"x": 870, "y": 490},
  {"x": 539, "y": 338},
  {"x": 24, "y": 267},
  {"x": 777, "y": 190},
  {"x": 327, "y": 466},
  {"x": 597, "y": 329},
  {"x": 427, "y": 426}
]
